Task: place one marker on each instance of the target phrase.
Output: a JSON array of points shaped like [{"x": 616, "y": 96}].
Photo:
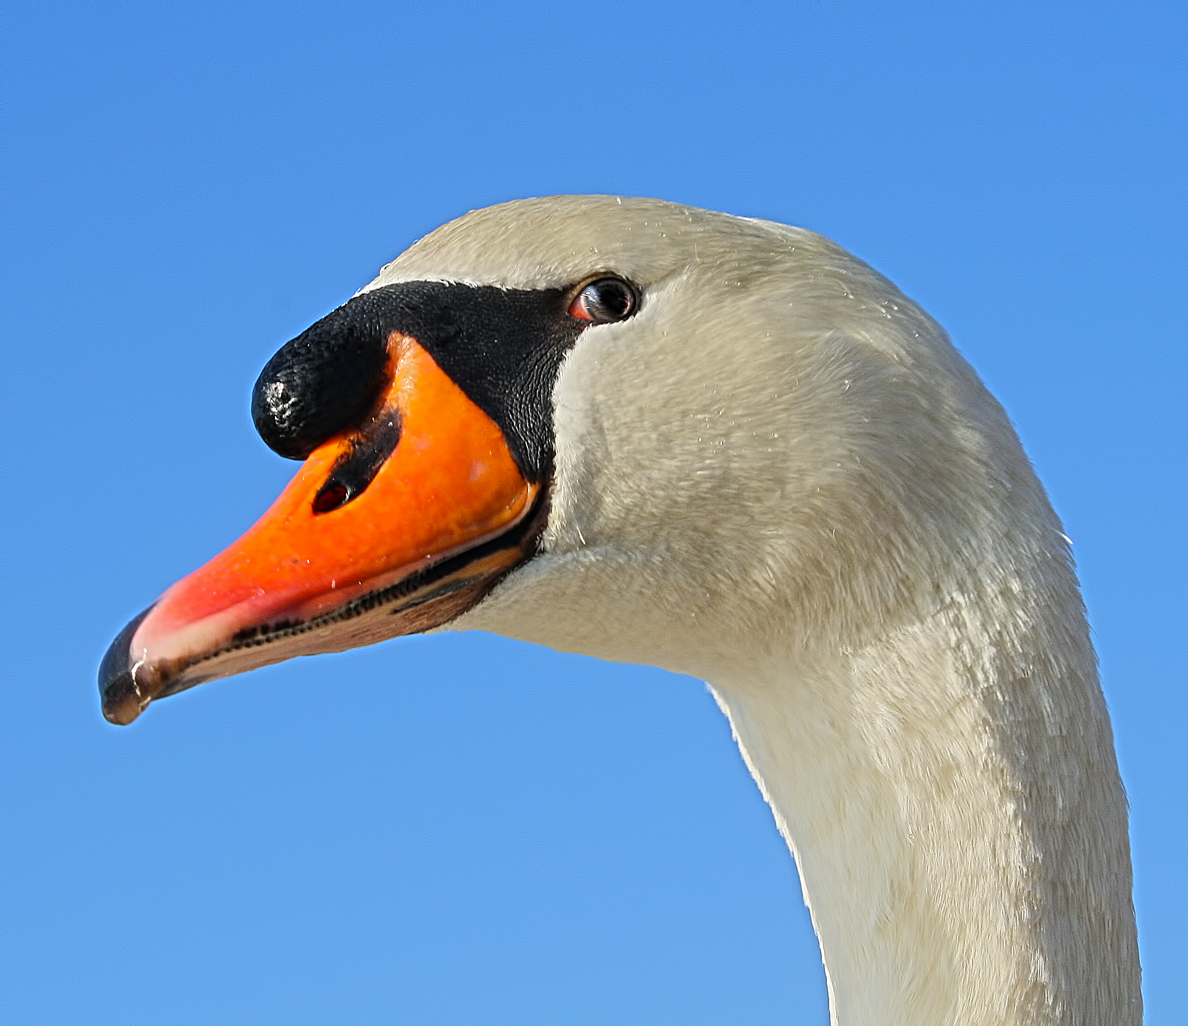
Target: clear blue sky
[{"x": 462, "y": 829}]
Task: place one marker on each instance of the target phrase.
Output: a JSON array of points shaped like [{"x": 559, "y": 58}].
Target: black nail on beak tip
[{"x": 117, "y": 689}]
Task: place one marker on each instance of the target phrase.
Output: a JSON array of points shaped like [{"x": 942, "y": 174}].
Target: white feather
[{"x": 781, "y": 477}]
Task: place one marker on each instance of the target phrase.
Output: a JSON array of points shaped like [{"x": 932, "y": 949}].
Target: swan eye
[{"x": 603, "y": 301}]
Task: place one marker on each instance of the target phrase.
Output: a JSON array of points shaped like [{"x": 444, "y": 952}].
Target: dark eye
[{"x": 603, "y": 301}]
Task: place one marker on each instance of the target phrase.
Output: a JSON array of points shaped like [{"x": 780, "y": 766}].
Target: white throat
[
  {"x": 959, "y": 826},
  {"x": 948, "y": 788}
]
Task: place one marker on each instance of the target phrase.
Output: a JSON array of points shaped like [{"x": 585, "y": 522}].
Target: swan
[{"x": 725, "y": 447}]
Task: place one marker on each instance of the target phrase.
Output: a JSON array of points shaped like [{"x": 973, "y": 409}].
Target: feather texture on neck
[{"x": 781, "y": 477}]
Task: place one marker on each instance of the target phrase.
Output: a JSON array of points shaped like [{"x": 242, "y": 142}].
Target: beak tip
[{"x": 122, "y": 701}]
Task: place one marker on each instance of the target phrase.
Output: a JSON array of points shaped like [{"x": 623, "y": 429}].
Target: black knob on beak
[{"x": 321, "y": 382}]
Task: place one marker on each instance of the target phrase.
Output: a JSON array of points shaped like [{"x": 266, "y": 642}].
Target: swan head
[{"x": 621, "y": 427}]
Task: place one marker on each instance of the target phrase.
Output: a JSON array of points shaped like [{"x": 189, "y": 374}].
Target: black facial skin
[{"x": 502, "y": 347}]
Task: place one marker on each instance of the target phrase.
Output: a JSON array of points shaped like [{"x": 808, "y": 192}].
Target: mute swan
[{"x": 725, "y": 447}]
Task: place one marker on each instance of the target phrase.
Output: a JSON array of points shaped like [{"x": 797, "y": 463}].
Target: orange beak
[{"x": 395, "y": 526}]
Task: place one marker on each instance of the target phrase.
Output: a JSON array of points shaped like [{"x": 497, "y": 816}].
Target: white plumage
[{"x": 780, "y": 476}]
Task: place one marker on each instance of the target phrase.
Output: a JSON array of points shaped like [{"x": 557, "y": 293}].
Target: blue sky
[{"x": 463, "y": 829}]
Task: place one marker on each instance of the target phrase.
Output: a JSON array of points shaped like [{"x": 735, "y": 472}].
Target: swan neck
[{"x": 952, "y": 800}]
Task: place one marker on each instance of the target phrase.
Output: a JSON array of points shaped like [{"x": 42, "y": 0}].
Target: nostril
[
  {"x": 332, "y": 495},
  {"x": 356, "y": 468}
]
